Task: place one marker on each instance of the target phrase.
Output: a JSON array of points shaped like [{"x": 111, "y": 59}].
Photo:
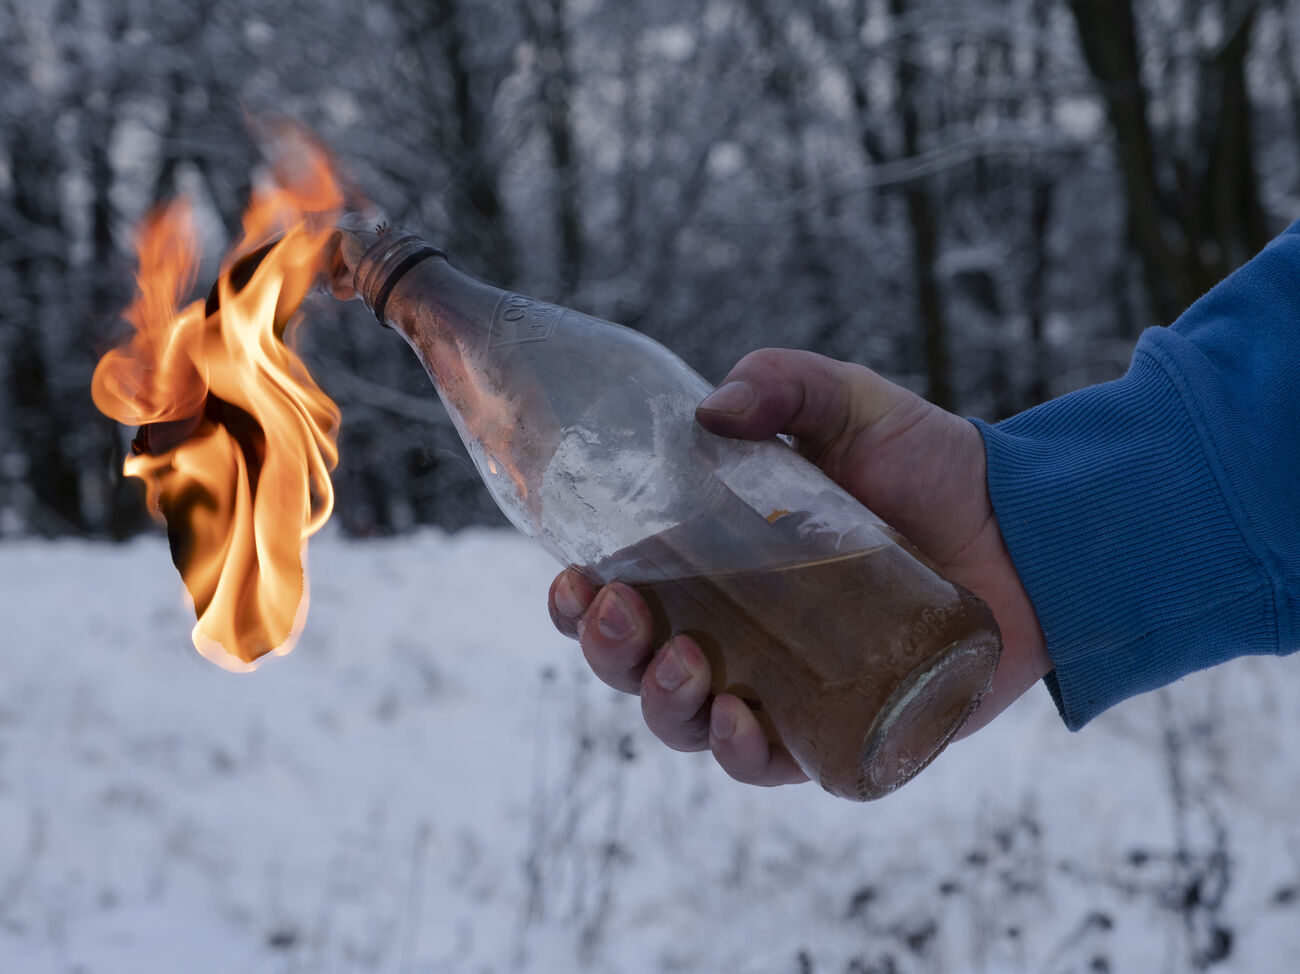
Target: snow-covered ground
[{"x": 432, "y": 782}]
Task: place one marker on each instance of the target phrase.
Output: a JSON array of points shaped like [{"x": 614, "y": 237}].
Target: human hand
[{"x": 918, "y": 467}]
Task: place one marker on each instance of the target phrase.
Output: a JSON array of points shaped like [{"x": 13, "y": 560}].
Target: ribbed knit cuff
[{"x": 1123, "y": 539}]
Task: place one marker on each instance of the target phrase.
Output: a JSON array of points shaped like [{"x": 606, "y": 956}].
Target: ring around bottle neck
[{"x": 385, "y": 263}]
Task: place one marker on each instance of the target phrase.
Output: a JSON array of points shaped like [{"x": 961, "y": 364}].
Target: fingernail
[
  {"x": 721, "y": 724},
  {"x": 671, "y": 671},
  {"x": 566, "y": 599},
  {"x": 733, "y": 398},
  {"x": 612, "y": 618}
]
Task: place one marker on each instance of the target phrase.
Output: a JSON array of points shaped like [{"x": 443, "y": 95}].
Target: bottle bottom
[{"x": 925, "y": 712}]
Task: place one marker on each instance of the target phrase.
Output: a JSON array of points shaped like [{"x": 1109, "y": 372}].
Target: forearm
[{"x": 1155, "y": 520}]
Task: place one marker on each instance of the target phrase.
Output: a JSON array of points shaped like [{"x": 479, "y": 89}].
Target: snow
[{"x": 433, "y": 782}]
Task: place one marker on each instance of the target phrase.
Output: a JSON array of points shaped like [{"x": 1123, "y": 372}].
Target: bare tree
[{"x": 1193, "y": 212}]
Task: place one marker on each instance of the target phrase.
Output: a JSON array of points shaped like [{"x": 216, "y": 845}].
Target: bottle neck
[{"x": 385, "y": 263}]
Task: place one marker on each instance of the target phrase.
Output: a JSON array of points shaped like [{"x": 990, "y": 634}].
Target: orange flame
[{"x": 237, "y": 441}]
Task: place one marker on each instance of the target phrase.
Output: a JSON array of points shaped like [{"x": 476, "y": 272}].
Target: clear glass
[{"x": 855, "y": 654}]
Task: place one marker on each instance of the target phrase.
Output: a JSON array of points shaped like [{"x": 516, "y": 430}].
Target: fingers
[
  {"x": 613, "y": 626},
  {"x": 677, "y": 707},
  {"x": 809, "y": 396},
  {"x": 740, "y": 746},
  {"x": 616, "y": 635},
  {"x": 615, "y": 629},
  {"x": 568, "y": 599},
  {"x": 675, "y": 695}
]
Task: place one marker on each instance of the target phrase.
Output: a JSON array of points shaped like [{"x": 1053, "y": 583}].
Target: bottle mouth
[{"x": 386, "y": 262}]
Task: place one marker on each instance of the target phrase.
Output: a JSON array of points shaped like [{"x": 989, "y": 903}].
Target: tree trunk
[
  {"x": 923, "y": 223},
  {"x": 629, "y": 223},
  {"x": 809, "y": 261},
  {"x": 1290, "y": 75},
  {"x": 545, "y": 20},
  {"x": 477, "y": 231},
  {"x": 1042, "y": 198},
  {"x": 123, "y": 513},
  {"x": 1108, "y": 38},
  {"x": 1229, "y": 196},
  {"x": 41, "y": 421},
  {"x": 1042, "y": 192},
  {"x": 1212, "y": 221}
]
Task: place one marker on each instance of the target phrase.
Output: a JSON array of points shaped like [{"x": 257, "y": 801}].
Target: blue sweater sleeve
[{"x": 1155, "y": 520}]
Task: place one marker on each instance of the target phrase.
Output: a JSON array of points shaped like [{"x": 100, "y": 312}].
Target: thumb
[{"x": 813, "y": 398}]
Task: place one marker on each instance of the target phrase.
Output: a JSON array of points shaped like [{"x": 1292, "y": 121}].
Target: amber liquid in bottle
[{"x": 863, "y": 665}]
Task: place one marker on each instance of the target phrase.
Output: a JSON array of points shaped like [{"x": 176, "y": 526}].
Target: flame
[{"x": 237, "y": 441}]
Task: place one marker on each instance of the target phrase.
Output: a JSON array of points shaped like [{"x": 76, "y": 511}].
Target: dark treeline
[{"x": 984, "y": 200}]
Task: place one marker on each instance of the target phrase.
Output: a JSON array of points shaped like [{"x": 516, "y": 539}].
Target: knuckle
[{"x": 762, "y": 360}]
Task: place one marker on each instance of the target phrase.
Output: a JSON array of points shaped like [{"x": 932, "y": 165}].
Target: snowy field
[{"x": 431, "y": 782}]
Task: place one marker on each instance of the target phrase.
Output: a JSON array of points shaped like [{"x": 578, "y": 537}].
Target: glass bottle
[{"x": 854, "y": 653}]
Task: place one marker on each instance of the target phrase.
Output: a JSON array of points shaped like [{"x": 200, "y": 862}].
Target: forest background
[{"x": 986, "y": 200}]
